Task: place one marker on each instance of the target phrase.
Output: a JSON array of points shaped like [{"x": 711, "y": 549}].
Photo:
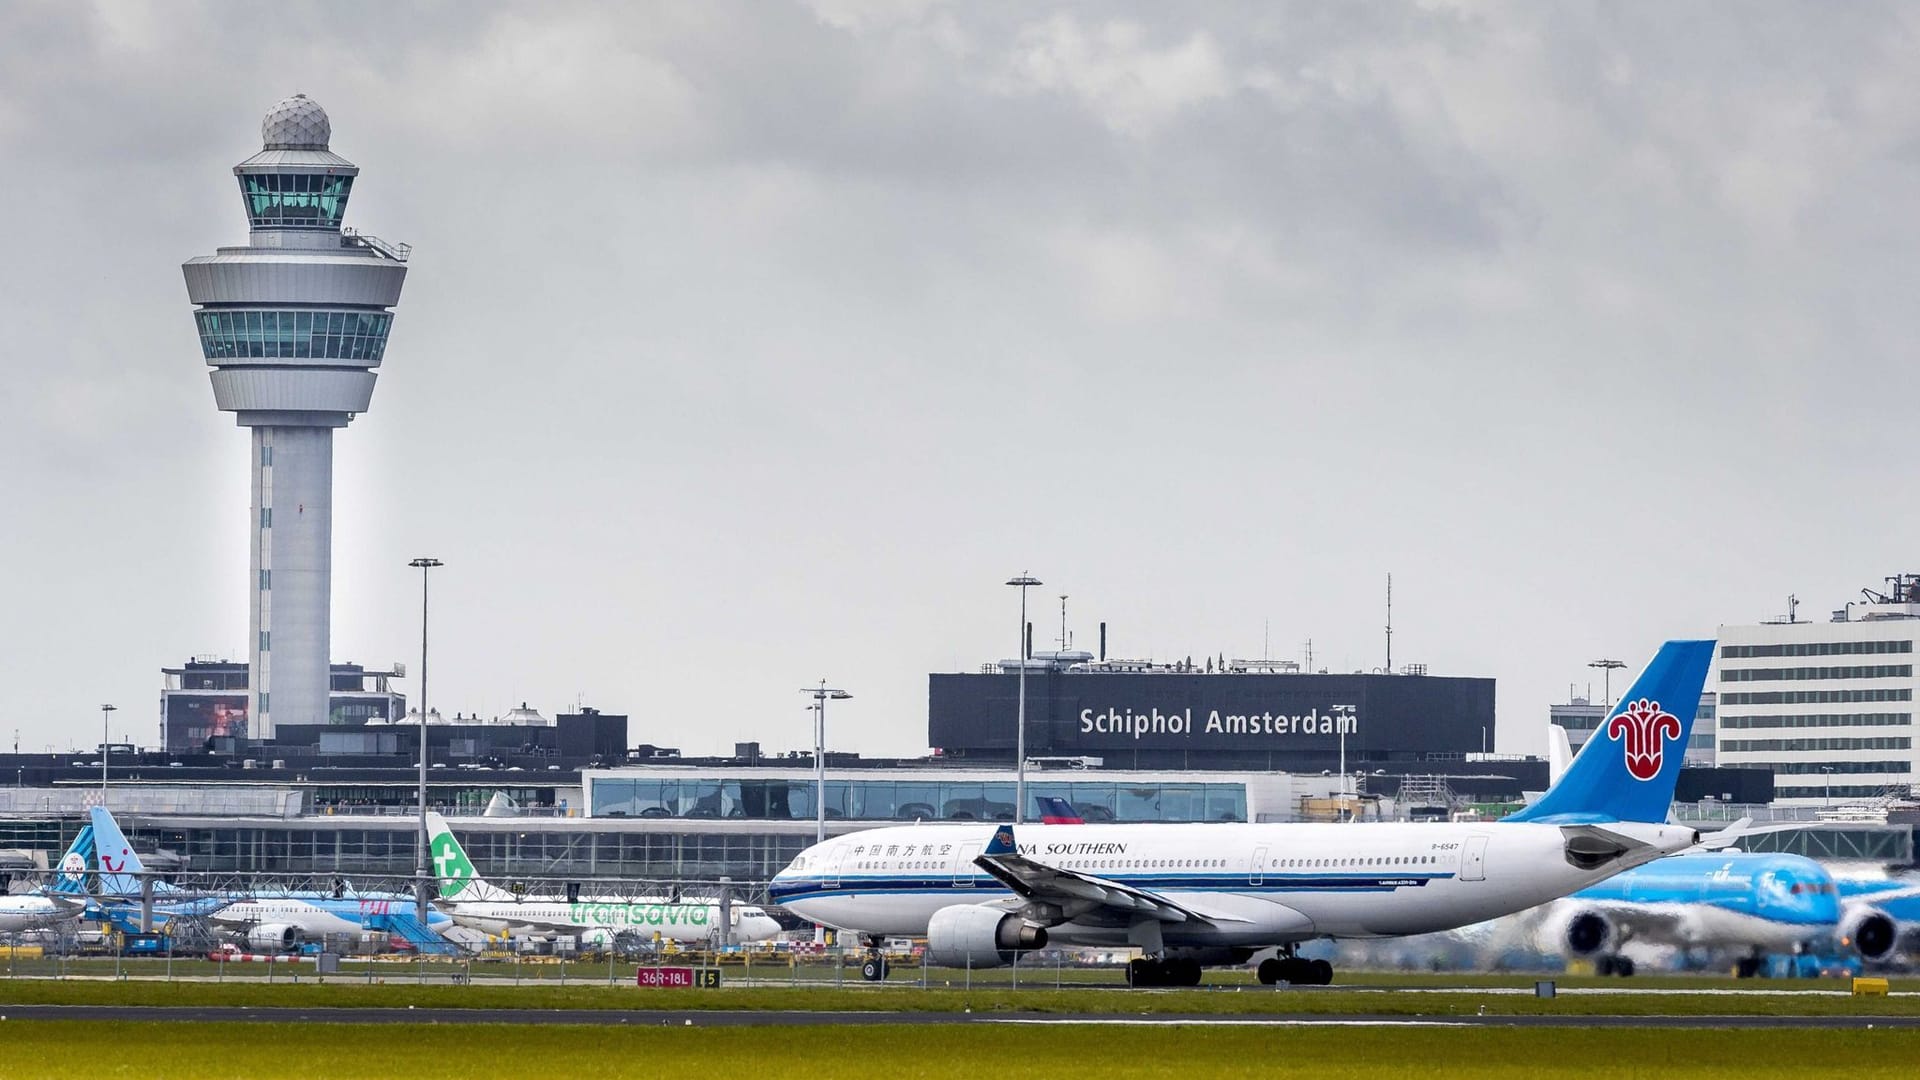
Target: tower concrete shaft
[{"x": 293, "y": 325}]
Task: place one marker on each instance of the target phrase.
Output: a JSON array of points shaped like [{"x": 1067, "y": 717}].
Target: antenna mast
[{"x": 1389, "y": 623}]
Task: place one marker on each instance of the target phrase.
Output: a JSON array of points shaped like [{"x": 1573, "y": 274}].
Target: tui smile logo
[{"x": 1644, "y": 731}]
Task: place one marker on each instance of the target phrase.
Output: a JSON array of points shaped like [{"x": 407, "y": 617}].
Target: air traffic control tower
[{"x": 293, "y": 325}]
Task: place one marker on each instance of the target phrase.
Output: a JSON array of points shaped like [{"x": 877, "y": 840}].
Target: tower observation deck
[{"x": 293, "y": 325}]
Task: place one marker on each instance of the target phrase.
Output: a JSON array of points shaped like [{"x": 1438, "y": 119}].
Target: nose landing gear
[{"x": 873, "y": 967}]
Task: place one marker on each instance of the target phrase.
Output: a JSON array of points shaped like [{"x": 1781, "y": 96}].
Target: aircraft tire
[
  {"x": 1184, "y": 973},
  {"x": 1270, "y": 971},
  {"x": 1603, "y": 965},
  {"x": 1623, "y": 966},
  {"x": 1143, "y": 973},
  {"x": 1319, "y": 973},
  {"x": 1745, "y": 967},
  {"x": 874, "y": 970}
]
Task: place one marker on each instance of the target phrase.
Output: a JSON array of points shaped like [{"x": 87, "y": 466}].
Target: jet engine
[
  {"x": 967, "y": 936},
  {"x": 274, "y": 937},
  {"x": 1868, "y": 931},
  {"x": 1579, "y": 932}
]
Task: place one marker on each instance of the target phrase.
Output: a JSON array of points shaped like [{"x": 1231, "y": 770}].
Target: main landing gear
[
  {"x": 1146, "y": 972},
  {"x": 1293, "y": 970},
  {"x": 873, "y": 967},
  {"x": 1613, "y": 965}
]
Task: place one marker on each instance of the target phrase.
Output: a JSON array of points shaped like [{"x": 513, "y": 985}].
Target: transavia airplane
[
  {"x": 1747, "y": 904},
  {"x": 65, "y": 899},
  {"x": 1187, "y": 895},
  {"x": 268, "y": 920},
  {"x": 475, "y": 903}
]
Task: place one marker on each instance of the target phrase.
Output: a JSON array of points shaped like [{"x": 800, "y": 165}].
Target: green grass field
[
  {"x": 1250, "y": 1001},
  {"x": 60, "y": 1050}
]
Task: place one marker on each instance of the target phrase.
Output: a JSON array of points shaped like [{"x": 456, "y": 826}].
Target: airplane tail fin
[
  {"x": 1056, "y": 811},
  {"x": 457, "y": 877},
  {"x": 1559, "y": 753},
  {"x": 72, "y": 878},
  {"x": 1628, "y": 767},
  {"x": 1002, "y": 842},
  {"x": 120, "y": 866}
]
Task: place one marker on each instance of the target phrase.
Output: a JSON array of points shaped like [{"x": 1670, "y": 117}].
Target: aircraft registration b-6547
[{"x": 1188, "y": 895}]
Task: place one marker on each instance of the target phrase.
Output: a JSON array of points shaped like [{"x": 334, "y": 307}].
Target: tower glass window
[
  {"x": 295, "y": 200},
  {"x": 302, "y": 335}
]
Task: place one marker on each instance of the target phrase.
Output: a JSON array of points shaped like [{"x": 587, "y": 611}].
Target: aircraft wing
[{"x": 1070, "y": 890}]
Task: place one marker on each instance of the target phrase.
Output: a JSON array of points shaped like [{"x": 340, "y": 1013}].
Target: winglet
[
  {"x": 1058, "y": 811},
  {"x": 1002, "y": 842}
]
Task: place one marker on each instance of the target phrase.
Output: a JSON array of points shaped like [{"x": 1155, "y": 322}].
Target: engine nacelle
[
  {"x": 1869, "y": 932},
  {"x": 274, "y": 937},
  {"x": 967, "y": 936},
  {"x": 1579, "y": 932}
]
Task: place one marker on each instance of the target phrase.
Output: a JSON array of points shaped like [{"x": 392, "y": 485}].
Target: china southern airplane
[
  {"x": 474, "y": 903},
  {"x": 1220, "y": 893}
]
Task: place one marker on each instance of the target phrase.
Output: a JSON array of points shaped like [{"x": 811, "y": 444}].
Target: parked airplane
[
  {"x": 267, "y": 920},
  {"x": 63, "y": 900},
  {"x": 473, "y": 902},
  {"x": 1188, "y": 894},
  {"x": 1746, "y": 904}
]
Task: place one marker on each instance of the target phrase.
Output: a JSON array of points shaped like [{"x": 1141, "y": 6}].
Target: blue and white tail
[
  {"x": 1628, "y": 768},
  {"x": 120, "y": 868},
  {"x": 71, "y": 879}
]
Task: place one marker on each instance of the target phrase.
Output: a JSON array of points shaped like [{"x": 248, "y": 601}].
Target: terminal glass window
[{"x": 295, "y": 200}]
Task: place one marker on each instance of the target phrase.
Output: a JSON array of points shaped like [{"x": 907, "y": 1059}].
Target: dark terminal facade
[{"x": 1240, "y": 715}]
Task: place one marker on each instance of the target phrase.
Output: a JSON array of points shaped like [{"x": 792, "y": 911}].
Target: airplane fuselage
[{"x": 1271, "y": 883}]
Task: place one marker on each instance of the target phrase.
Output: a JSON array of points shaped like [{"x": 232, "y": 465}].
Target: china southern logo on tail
[{"x": 1645, "y": 730}]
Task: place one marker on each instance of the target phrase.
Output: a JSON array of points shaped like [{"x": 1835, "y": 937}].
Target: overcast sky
[{"x": 750, "y": 344}]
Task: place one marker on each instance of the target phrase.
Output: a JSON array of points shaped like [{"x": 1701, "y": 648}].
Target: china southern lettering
[{"x": 1154, "y": 722}]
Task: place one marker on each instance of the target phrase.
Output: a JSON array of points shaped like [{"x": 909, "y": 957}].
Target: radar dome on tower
[{"x": 296, "y": 123}]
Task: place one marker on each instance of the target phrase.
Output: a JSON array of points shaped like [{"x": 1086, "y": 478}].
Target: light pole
[
  {"x": 420, "y": 866},
  {"x": 1023, "y": 582},
  {"x": 1607, "y": 668},
  {"x": 1827, "y": 771},
  {"x": 106, "y": 713},
  {"x": 821, "y": 695}
]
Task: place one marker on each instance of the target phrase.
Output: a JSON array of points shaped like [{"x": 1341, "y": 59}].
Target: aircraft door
[
  {"x": 963, "y": 866},
  {"x": 1257, "y": 869},
  {"x": 830, "y": 874},
  {"x": 1473, "y": 859}
]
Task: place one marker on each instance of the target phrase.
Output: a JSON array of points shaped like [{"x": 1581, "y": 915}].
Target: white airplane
[
  {"x": 474, "y": 903},
  {"x": 65, "y": 899},
  {"x": 1218, "y": 893},
  {"x": 30, "y": 912}
]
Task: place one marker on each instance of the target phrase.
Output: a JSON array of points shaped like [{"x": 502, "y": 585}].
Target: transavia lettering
[
  {"x": 1341, "y": 719},
  {"x": 638, "y": 914}
]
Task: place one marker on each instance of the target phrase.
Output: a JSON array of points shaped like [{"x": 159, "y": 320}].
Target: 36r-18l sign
[{"x": 673, "y": 978}]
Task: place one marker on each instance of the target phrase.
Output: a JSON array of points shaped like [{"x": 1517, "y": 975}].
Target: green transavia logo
[{"x": 451, "y": 865}]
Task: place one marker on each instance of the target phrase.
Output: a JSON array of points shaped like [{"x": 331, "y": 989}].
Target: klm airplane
[
  {"x": 59, "y": 902},
  {"x": 1749, "y": 905},
  {"x": 276, "y": 920},
  {"x": 1185, "y": 895}
]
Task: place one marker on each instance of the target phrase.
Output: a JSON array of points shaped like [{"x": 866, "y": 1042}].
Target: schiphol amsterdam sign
[{"x": 1126, "y": 723}]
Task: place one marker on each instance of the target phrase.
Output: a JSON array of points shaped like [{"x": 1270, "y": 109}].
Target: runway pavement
[{"x": 802, "y": 1018}]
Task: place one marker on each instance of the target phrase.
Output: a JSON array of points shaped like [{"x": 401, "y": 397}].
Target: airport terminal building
[{"x": 1226, "y": 715}]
